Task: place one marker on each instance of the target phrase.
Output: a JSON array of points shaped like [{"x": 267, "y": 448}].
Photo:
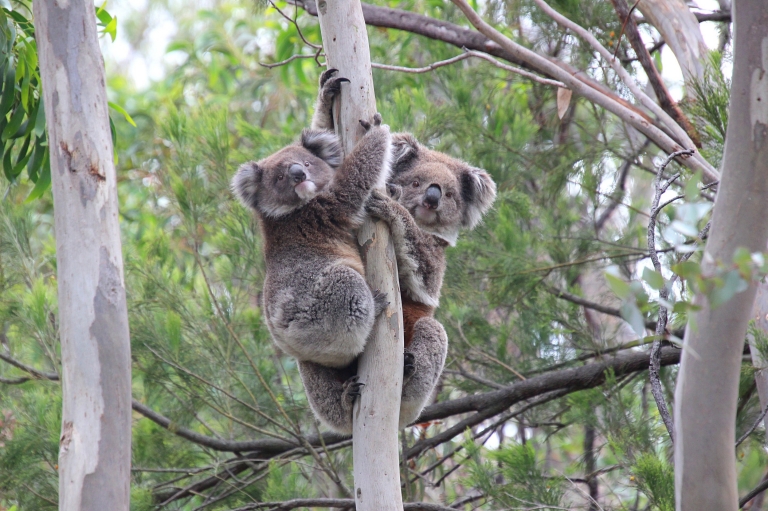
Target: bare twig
[
  {"x": 661, "y": 324},
  {"x": 469, "y": 53},
  {"x": 286, "y": 61},
  {"x": 623, "y": 27},
  {"x": 35, "y": 373},
  {"x": 757, "y": 490},
  {"x": 516, "y": 70},
  {"x": 752, "y": 428}
]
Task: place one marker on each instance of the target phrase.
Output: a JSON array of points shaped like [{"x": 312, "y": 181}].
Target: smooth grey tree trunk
[
  {"x": 377, "y": 410},
  {"x": 707, "y": 386},
  {"x": 95, "y": 447}
]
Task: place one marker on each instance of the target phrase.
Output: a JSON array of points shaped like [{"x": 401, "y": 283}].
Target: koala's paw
[
  {"x": 409, "y": 365},
  {"x": 329, "y": 85},
  {"x": 380, "y": 302},
  {"x": 351, "y": 389},
  {"x": 376, "y": 121},
  {"x": 394, "y": 191},
  {"x": 376, "y": 205}
]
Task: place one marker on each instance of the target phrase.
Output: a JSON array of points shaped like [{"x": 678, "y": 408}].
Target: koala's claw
[
  {"x": 352, "y": 388},
  {"x": 394, "y": 190},
  {"x": 325, "y": 75},
  {"x": 409, "y": 365},
  {"x": 333, "y": 86},
  {"x": 380, "y": 302},
  {"x": 376, "y": 121}
]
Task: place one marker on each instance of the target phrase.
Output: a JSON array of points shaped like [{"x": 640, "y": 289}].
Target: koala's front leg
[
  {"x": 423, "y": 365},
  {"x": 365, "y": 168},
  {"x": 420, "y": 260},
  {"x": 330, "y": 87},
  {"x": 331, "y": 394}
]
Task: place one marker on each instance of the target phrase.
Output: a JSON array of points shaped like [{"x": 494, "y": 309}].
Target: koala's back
[{"x": 310, "y": 254}]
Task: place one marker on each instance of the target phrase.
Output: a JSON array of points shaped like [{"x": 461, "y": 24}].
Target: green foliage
[
  {"x": 656, "y": 479},
  {"x": 202, "y": 355},
  {"x": 511, "y": 477},
  {"x": 709, "y": 106}
]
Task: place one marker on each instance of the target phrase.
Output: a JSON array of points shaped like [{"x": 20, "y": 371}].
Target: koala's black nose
[
  {"x": 432, "y": 197},
  {"x": 297, "y": 173}
]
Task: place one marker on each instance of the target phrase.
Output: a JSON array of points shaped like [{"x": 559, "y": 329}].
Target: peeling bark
[
  {"x": 707, "y": 388},
  {"x": 95, "y": 447}
]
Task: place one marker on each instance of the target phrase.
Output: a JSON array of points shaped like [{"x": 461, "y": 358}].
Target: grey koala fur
[
  {"x": 423, "y": 223},
  {"x": 309, "y": 200}
]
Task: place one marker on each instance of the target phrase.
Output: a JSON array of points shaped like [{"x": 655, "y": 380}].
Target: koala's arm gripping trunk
[{"x": 375, "y": 447}]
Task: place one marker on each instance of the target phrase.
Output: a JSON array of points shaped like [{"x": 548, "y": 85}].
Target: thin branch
[
  {"x": 425, "y": 69},
  {"x": 497, "y": 45},
  {"x": 623, "y": 27},
  {"x": 661, "y": 324},
  {"x": 516, "y": 70},
  {"x": 757, "y": 490},
  {"x": 668, "y": 104},
  {"x": 589, "y": 304},
  {"x": 751, "y": 429},
  {"x": 286, "y": 61},
  {"x": 37, "y": 374},
  {"x": 679, "y": 133}
]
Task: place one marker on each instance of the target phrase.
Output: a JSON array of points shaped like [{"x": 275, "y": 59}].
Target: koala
[
  {"x": 309, "y": 200},
  {"x": 431, "y": 197}
]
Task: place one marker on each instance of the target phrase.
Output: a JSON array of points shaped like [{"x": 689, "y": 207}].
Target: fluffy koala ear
[
  {"x": 323, "y": 144},
  {"x": 245, "y": 184},
  {"x": 405, "y": 148},
  {"x": 478, "y": 191}
]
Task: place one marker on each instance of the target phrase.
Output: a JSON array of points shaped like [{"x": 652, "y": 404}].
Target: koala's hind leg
[
  {"x": 332, "y": 317},
  {"x": 331, "y": 393},
  {"x": 424, "y": 360}
]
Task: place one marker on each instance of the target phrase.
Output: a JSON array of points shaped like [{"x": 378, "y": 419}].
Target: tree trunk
[
  {"x": 376, "y": 416},
  {"x": 95, "y": 447},
  {"x": 707, "y": 387},
  {"x": 680, "y": 30}
]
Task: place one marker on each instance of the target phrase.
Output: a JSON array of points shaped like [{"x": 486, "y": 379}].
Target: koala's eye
[
  {"x": 280, "y": 177},
  {"x": 306, "y": 164},
  {"x": 449, "y": 194},
  {"x": 416, "y": 184}
]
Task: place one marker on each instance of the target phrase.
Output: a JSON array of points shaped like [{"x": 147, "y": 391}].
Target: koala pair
[{"x": 431, "y": 197}]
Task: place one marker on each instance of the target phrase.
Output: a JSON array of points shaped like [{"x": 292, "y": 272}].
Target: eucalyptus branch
[
  {"x": 661, "y": 324},
  {"x": 645, "y": 100},
  {"x": 35, "y": 373}
]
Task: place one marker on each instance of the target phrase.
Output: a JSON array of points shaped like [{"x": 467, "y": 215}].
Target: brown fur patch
[
  {"x": 412, "y": 312},
  {"x": 349, "y": 256}
]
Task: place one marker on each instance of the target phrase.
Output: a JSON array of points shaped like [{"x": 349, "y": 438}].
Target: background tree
[{"x": 546, "y": 397}]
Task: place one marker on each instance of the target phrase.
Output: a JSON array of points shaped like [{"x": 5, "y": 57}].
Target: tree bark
[
  {"x": 679, "y": 28},
  {"x": 707, "y": 387},
  {"x": 95, "y": 446},
  {"x": 377, "y": 410}
]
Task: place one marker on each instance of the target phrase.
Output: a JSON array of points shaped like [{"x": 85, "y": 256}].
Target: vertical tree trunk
[
  {"x": 707, "y": 387},
  {"x": 95, "y": 447},
  {"x": 375, "y": 445}
]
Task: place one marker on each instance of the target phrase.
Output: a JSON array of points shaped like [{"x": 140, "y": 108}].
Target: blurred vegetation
[{"x": 569, "y": 207}]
